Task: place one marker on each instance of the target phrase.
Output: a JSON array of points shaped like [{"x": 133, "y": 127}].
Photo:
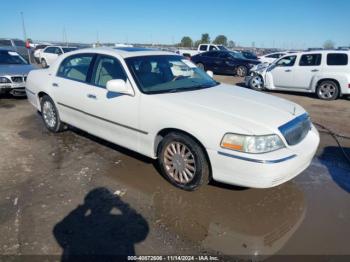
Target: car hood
[
  {"x": 15, "y": 69},
  {"x": 250, "y": 111}
]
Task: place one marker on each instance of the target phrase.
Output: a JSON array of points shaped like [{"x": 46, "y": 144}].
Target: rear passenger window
[
  {"x": 310, "y": 60},
  {"x": 337, "y": 59},
  {"x": 107, "y": 68},
  {"x": 211, "y": 48},
  {"x": 75, "y": 67}
]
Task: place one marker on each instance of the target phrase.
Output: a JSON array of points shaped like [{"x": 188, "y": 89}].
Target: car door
[
  {"x": 227, "y": 63},
  {"x": 308, "y": 66},
  {"x": 50, "y": 55},
  {"x": 282, "y": 72},
  {"x": 115, "y": 116},
  {"x": 71, "y": 89}
]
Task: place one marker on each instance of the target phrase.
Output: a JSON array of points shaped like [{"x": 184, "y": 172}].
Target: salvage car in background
[
  {"x": 326, "y": 73},
  {"x": 50, "y": 54},
  {"x": 16, "y": 45},
  {"x": 197, "y": 128},
  {"x": 224, "y": 62},
  {"x": 270, "y": 58},
  {"x": 201, "y": 49},
  {"x": 38, "y": 50},
  {"x": 13, "y": 73}
]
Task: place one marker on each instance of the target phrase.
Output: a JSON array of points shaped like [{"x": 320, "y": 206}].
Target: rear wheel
[
  {"x": 256, "y": 83},
  {"x": 183, "y": 161},
  {"x": 242, "y": 71},
  {"x": 328, "y": 90},
  {"x": 50, "y": 115}
]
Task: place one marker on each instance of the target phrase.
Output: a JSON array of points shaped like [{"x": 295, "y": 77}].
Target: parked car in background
[
  {"x": 50, "y": 54},
  {"x": 16, "y": 45},
  {"x": 270, "y": 58},
  {"x": 135, "y": 98},
  {"x": 38, "y": 50},
  {"x": 249, "y": 55},
  {"x": 201, "y": 49},
  {"x": 326, "y": 73},
  {"x": 13, "y": 72},
  {"x": 224, "y": 62}
]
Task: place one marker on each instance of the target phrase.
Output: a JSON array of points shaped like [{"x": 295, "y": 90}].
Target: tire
[
  {"x": 201, "y": 66},
  {"x": 257, "y": 83},
  {"x": 189, "y": 172},
  {"x": 328, "y": 90},
  {"x": 43, "y": 63},
  {"x": 50, "y": 115},
  {"x": 242, "y": 71}
]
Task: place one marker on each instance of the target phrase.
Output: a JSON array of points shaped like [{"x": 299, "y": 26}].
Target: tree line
[{"x": 187, "y": 41}]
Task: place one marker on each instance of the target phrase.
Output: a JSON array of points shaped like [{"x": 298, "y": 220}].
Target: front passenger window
[
  {"x": 286, "y": 61},
  {"x": 107, "y": 68}
]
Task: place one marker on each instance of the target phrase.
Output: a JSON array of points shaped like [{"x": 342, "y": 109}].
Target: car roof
[{"x": 124, "y": 52}]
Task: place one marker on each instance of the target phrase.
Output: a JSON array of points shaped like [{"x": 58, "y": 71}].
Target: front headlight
[
  {"x": 4, "y": 80},
  {"x": 252, "y": 144}
]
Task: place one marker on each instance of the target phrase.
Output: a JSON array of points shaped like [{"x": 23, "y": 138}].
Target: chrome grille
[
  {"x": 296, "y": 130},
  {"x": 17, "y": 79}
]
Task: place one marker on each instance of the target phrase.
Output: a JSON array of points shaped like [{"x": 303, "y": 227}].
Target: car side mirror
[
  {"x": 119, "y": 86},
  {"x": 210, "y": 73}
]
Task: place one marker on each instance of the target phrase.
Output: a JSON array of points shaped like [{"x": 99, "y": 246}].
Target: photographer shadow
[{"x": 103, "y": 228}]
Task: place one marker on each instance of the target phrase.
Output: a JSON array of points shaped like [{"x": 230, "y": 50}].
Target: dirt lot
[{"x": 72, "y": 192}]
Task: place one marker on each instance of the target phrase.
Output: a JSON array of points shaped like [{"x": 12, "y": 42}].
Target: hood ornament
[{"x": 294, "y": 111}]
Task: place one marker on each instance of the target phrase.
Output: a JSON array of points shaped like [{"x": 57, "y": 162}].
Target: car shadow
[
  {"x": 337, "y": 165},
  {"x": 103, "y": 228}
]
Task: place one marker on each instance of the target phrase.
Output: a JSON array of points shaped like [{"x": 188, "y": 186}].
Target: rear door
[
  {"x": 308, "y": 66},
  {"x": 71, "y": 89}
]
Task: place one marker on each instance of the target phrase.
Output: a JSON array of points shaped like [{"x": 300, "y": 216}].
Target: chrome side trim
[
  {"x": 274, "y": 161},
  {"x": 103, "y": 119}
]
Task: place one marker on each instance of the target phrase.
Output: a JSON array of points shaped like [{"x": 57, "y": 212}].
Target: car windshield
[
  {"x": 167, "y": 73},
  {"x": 237, "y": 55},
  {"x": 69, "y": 49},
  {"x": 11, "y": 58}
]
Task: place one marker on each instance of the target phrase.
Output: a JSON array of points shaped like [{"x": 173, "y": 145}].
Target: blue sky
[{"x": 268, "y": 23}]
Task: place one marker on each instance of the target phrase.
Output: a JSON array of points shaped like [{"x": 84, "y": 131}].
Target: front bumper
[
  {"x": 15, "y": 91},
  {"x": 263, "y": 170}
]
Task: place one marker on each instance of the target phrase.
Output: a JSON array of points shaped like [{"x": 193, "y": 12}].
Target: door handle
[
  {"x": 91, "y": 96},
  {"x": 55, "y": 84},
  {"x": 288, "y": 70},
  {"x": 314, "y": 70}
]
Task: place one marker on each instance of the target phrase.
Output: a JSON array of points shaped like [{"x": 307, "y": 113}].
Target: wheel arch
[{"x": 165, "y": 131}]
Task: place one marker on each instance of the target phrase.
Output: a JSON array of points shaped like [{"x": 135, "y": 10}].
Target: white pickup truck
[{"x": 201, "y": 49}]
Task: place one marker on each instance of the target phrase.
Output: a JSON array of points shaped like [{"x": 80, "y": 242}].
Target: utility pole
[{"x": 25, "y": 36}]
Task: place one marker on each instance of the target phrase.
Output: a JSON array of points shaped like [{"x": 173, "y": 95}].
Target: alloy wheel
[
  {"x": 49, "y": 114},
  {"x": 327, "y": 90},
  {"x": 179, "y": 162}
]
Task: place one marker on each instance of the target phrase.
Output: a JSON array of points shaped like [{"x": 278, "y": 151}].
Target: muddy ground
[{"x": 72, "y": 192}]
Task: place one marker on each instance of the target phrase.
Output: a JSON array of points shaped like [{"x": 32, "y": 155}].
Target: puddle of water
[{"x": 228, "y": 221}]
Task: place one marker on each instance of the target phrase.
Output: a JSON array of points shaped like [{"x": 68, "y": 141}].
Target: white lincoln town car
[{"x": 161, "y": 105}]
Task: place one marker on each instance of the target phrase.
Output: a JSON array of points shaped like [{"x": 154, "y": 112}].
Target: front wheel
[
  {"x": 183, "y": 162},
  {"x": 256, "y": 83},
  {"x": 328, "y": 90},
  {"x": 242, "y": 71},
  {"x": 50, "y": 115}
]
